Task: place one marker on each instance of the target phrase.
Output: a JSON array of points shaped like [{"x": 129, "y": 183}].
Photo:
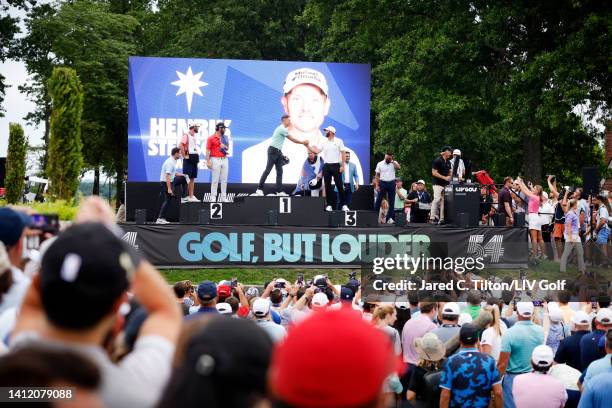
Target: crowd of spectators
[{"x": 91, "y": 315}]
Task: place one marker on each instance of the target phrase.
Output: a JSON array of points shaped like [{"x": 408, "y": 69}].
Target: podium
[
  {"x": 462, "y": 204},
  {"x": 272, "y": 210}
]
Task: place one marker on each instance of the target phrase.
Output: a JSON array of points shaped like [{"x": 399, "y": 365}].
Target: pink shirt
[
  {"x": 534, "y": 204},
  {"x": 413, "y": 329},
  {"x": 535, "y": 390}
]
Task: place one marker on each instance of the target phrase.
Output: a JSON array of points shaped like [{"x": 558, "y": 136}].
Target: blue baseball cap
[
  {"x": 12, "y": 224},
  {"x": 207, "y": 290},
  {"x": 346, "y": 293}
]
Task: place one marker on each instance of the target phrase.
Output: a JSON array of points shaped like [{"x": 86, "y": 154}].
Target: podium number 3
[
  {"x": 216, "y": 211},
  {"x": 285, "y": 205},
  {"x": 350, "y": 218}
]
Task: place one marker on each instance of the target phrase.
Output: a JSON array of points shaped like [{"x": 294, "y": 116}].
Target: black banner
[{"x": 229, "y": 246}]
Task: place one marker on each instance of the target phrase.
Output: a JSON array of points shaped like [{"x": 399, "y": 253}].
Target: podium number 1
[{"x": 285, "y": 205}]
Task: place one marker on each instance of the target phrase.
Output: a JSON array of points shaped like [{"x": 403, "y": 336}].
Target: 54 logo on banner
[{"x": 493, "y": 249}]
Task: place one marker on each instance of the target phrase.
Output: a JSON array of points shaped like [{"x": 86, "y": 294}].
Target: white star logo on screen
[{"x": 189, "y": 84}]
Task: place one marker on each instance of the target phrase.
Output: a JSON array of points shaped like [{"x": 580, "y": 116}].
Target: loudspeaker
[
  {"x": 463, "y": 220},
  {"x": 272, "y": 217},
  {"x": 590, "y": 181},
  {"x": 2, "y": 170},
  {"x": 519, "y": 219},
  {"x": 203, "y": 216},
  {"x": 141, "y": 216},
  {"x": 500, "y": 220}
]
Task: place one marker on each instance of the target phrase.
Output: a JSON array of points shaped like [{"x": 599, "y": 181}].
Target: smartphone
[
  {"x": 234, "y": 282},
  {"x": 300, "y": 278},
  {"x": 537, "y": 303},
  {"x": 594, "y": 303}
]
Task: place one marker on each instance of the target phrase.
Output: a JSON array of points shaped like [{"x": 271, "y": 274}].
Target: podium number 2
[
  {"x": 216, "y": 211},
  {"x": 350, "y": 218},
  {"x": 285, "y": 205}
]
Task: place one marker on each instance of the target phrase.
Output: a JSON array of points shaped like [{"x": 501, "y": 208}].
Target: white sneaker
[
  {"x": 282, "y": 194},
  {"x": 223, "y": 199},
  {"x": 390, "y": 221},
  {"x": 345, "y": 208},
  {"x": 161, "y": 221},
  {"x": 258, "y": 193},
  {"x": 329, "y": 208},
  {"x": 184, "y": 200},
  {"x": 192, "y": 199}
]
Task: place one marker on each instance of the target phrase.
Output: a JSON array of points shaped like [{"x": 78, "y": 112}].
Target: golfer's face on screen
[{"x": 307, "y": 106}]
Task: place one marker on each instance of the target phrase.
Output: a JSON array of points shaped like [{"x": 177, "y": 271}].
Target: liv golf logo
[
  {"x": 130, "y": 238},
  {"x": 493, "y": 249}
]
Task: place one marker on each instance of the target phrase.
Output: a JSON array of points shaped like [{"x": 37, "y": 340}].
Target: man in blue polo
[
  {"x": 569, "y": 348},
  {"x": 603, "y": 365},
  {"x": 589, "y": 343},
  {"x": 517, "y": 346},
  {"x": 469, "y": 376},
  {"x": 207, "y": 295}
]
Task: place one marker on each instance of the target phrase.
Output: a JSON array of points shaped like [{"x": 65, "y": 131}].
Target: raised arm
[
  {"x": 524, "y": 188},
  {"x": 551, "y": 186}
]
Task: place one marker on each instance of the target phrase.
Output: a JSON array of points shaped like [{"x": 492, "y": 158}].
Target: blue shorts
[
  {"x": 190, "y": 166},
  {"x": 602, "y": 236}
]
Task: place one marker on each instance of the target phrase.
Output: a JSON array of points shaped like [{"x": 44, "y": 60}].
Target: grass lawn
[{"x": 253, "y": 276}]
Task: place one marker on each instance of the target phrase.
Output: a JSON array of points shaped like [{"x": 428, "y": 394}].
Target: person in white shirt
[
  {"x": 385, "y": 174},
  {"x": 457, "y": 166},
  {"x": 306, "y": 99},
  {"x": 261, "y": 312},
  {"x": 601, "y": 225},
  {"x": 190, "y": 151},
  {"x": 332, "y": 152},
  {"x": 169, "y": 178}
]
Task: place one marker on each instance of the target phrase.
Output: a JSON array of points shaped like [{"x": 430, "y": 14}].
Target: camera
[
  {"x": 300, "y": 279},
  {"x": 279, "y": 285}
]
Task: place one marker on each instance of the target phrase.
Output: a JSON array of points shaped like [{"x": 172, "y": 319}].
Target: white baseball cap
[
  {"x": 604, "y": 316},
  {"x": 524, "y": 309},
  {"x": 261, "y": 307},
  {"x": 581, "y": 318},
  {"x": 305, "y": 76},
  {"x": 542, "y": 356},
  {"x": 464, "y": 318},
  {"x": 450, "y": 308},
  {"x": 330, "y": 129},
  {"x": 402, "y": 305},
  {"x": 320, "y": 299},
  {"x": 224, "y": 308},
  {"x": 457, "y": 152},
  {"x": 421, "y": 182},
  {"x": 554, "y": 312}
]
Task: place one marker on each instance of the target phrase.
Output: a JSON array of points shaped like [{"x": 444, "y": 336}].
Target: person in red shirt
[{"x": 217, "y": 146}]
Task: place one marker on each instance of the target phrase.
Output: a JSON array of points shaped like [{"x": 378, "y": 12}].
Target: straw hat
[{"x": 429, "y": 347}]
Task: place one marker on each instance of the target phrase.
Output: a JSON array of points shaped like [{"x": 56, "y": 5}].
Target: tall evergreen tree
[
  {"x": 65, "y": 145},
  {"x": 15, "y": 163}
]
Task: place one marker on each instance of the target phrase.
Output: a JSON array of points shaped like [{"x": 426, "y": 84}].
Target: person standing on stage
[
  {"x": 217, "y": 146},
  {"x": 440, "y": 170},
  {"x": 191, "y": 157},
  {"x": 311, "y": 178},
  {"x": 168, "y": 178},
  {"x": 350, "y": 180},
  {"x": 457, "y": 166},
  {"x": 385, "y": 173},
  {"x": 275, "y": 156},
  {"x": 400, "y": 198},
  {"x": 332, "y": 152},
  {"x": 421, "y": 202}
]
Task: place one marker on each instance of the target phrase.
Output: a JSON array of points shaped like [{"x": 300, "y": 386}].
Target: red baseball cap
[
  {"x": 224, "y": 291},
  {"x": 348, "y": 361}
]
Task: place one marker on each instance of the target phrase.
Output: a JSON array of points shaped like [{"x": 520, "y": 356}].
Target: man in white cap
[
  {"x": 308, "y": 303},
  {"x": 518, "y": 342},
  {"x": 306, "y": 99},
  {"x": 421, "y": 203},
  {"x": 569, "y": 348},
  {"x": 589, "y": 344},
  {"x": 261, "y": 313},
  {"x": 537, "y": 388},
  {"x": 224, "y": 308},
  {"x": 602, "y": 366},
  {"x": 450, "y": 322},
  {"x": 385, "y": 176},
  {"x": 332, "y": 153},
  {"x": 457, "y": 166}
]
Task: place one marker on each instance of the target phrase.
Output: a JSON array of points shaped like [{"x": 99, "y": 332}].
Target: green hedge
[{"x": 65, "y": 211}]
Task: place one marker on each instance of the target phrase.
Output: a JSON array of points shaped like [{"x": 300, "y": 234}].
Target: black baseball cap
[
  {"x": 346, "y": 293},
  {"x": 220, "y": 125},
  {"x": 446, "y": 149},
  {"x": 468, "y": 334},
  {"x": 83, "y": 273}
]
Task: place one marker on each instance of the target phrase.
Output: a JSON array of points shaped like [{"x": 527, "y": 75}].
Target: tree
[
  {"x": 15, "y": 163},
  {"x": 65, "y": 145}
]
